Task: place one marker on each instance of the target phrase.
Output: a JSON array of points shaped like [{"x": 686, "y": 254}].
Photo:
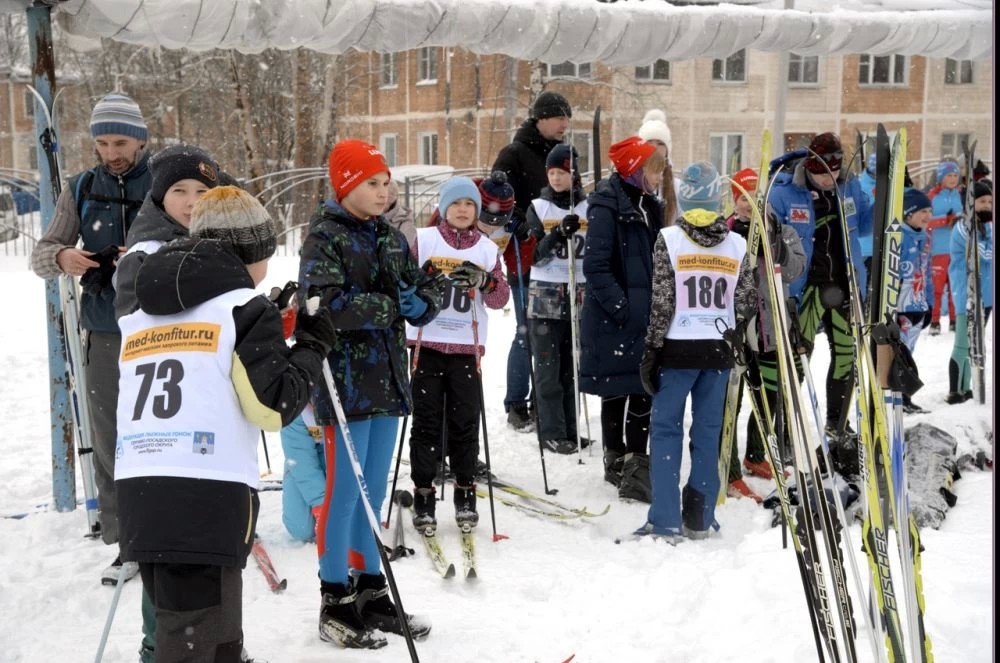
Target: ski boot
[
  {"x": 340, "y": 620},
  {"x": 739, "y": 488},
  {"x": 378, "y": 612},
  {"x": 465, "y": 507},
  {"x": 613, "y": 462},
  {"x": 423, "y": 510}
]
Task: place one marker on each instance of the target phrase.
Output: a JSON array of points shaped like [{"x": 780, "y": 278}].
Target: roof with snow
[{"x": 612, "y": 32}]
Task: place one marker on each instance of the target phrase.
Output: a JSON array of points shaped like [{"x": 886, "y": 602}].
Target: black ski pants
[
  {"x": 445, "y": 411},
  {"x": 625, "y": 423},
  {"x": 552, "y": 350},
  {"x": 199, "y": 611}
]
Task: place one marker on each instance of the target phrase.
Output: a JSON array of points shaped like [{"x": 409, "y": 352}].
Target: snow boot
[
  {"x": 613, "y": 461},
  {"x": 760, "y": 469},
  {"x": 340, "y": 620},
  {"x": 465, "y": 507},
  {"x": 110, "y": 575},
  {"x": 379, "y": 612},
  {"x": 424, "y": 500},
  {"x": 934, "y": 329},
  {"x": 739, "y": 488},
  {"x": 909, "y": 407},
  {"x": 564, "y": 447},
  {"x": 519, "y": 418}
]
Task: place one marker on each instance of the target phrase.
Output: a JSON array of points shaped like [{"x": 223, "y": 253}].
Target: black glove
[
  {"x": 569, "y": 225},
  {"x": 316, "y": 331},
  {"x": 469, "y": 275},
  {"x": 779, "y": 252},
  {"x": 518, "y": 227},
  {"x": 282, "y": 297},
  {"x": 96, "y": 279},
  {"x": 434, "y": 276},
  {"x": 649, "y": 370}
]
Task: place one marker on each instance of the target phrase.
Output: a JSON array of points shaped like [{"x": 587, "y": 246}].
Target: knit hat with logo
[
  {"x": 701, "y": 188},
  {"x": 914, "y": 200},
  {"x": 351, "y": 163},
  {"x": 746, "y": 178},
  {"x": 628, "y": 155},
  {"x": 231, "y": 215},
  {"x": 946, "y": 168},
  {"x": 117, "y": 114},
  {"x": 824, "y": 148},
  {"x": 181, "y": 162},
  {"x": 498, "y": 199}
]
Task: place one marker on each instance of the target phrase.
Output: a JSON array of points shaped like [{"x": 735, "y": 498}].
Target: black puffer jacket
[{"x": 204, "y": 521}]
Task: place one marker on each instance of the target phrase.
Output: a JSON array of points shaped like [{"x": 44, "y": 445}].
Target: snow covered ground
[{"x": 550, "y": 591}]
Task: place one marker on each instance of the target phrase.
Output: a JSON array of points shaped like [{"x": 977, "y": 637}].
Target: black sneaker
[
  {"x": 564, "y": 447},
  {"x": 520, "y": 419}
]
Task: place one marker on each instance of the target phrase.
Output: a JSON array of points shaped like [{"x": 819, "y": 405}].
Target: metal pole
[{"x": 44, "y": 81}]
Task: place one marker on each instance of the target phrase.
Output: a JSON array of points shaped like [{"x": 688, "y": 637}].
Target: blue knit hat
[
  {"x": 119, "y": 115},
  {"x": 701, "y": 188},
  {"x": 914, "y": 200},
  {"x": 946, "y": 168},
  {"x": 455, "y": 189}
]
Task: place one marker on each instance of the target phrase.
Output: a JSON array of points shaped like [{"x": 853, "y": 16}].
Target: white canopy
[{"x": 618, "y": 33}]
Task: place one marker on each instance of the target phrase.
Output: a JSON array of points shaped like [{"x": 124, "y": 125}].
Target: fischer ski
[
  {"x": 434, "y": 551},
  {"x": 468, "y": 552},
  {"x": 266, "y": 566}
]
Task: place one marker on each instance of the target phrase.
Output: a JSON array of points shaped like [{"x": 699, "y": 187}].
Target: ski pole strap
[{"x": 737, "y": 339}]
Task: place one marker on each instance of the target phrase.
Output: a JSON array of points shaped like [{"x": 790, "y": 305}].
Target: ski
[
  {"x": 266, "y": 566},
  {"x": 974, "y": 305},
  {"x": 434, "y": 551},
  {"x": 529, "y": 509},
  {"x": 468, "y": 552},
  {"x": 597, "y": 145},
  {"x": 525, "y": 494}
]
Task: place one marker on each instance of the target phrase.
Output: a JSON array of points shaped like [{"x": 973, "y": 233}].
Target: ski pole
[
  {"x": 482, "y": 415},
  {"x": 111, "y": 614},
  {"x": 531, "y": 367},
  {"x": 267, "y": 458},
  {"x": 359, "y": 475},
  {"x": 395, "y": 473},
  {"x": 573, "y": 331}
]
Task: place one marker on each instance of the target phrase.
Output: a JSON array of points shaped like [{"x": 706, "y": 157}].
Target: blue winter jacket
[
  {"x": 958, "y": 275},
  {"x": 618, "y": 264},
  {"x": 917, "y": 289},
  {"x": 867, "y": 182},
  {"x": 107, "y": 205},
  {"x": 791, "y": 201},
  {"x": 944, "y": 202}
]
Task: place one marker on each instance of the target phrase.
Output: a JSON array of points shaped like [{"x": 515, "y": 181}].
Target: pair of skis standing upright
[{"x": 816, "y": 533}]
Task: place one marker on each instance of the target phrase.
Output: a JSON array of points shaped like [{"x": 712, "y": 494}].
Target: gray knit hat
[
  {"x": 117, "y": 114},
  {"x": 231, "y": 215}
]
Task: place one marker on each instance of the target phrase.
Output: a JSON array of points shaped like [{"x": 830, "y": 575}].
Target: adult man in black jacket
[{"x": 524, "y": 162}]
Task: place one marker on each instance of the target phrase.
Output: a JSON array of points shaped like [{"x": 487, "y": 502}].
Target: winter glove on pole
[
  {"x": 316, "y": 330},
  {"x": 282, "y": 298},
  {"x": 569, "y": 225},
  {"x": 434, "y": 275},
  {"x": 96, "y": 279},
  {"x": 469, "y": 275}
]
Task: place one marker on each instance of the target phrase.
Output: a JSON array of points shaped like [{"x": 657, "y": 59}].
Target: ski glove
[
  {"x": 469, "y": 275},
  {"x": 316, "y": 331},
  {"x": 518, "y": 227},
  {"x": 434, "y": 275},
  {"x": 649, "y": 370},
  {"x": 411, "y": 305},
  {"x": 282, "y": 298},
  {"x": 96, "y": 279},
  {"x": 569, "y": 225}
]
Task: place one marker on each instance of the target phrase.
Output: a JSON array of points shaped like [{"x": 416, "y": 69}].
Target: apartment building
[{"x": 449, "y": 106}]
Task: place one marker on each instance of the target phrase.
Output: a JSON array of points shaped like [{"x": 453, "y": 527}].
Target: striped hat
[{"x": 117, "y": 114}]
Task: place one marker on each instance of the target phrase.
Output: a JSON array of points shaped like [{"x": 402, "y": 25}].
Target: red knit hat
[
  {"x": 746, "y": 178},
  {"x": 351, "y": 163},
  {"x": 629, "y": 155}
]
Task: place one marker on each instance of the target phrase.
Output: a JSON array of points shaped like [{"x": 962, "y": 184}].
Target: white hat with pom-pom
[{"x": 654, "y": 127}]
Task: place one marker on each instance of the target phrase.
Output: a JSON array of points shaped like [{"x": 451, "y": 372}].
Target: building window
[
  {"x": 389, "y": 142},
  {"x": 726, "y": 152},
  {"x": 29, "y": 105},
  {"x": 568, "y": 70},
  {"x": 582, "y": 141},
  {"x": 952, "y": 145},
  {"x": 658, "y": 72},
  {"x": 957, "y": 72},
  {"x": 803, "y": 69},
  {"x": 388, "y": 70},
  {"x": 797, "y": 141},
  {"x": 882, "y": 70},
  {"x": 427, "y": 65},
  {"x": 731, "y": 70},
  {"x": 428, "y": 148}
]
